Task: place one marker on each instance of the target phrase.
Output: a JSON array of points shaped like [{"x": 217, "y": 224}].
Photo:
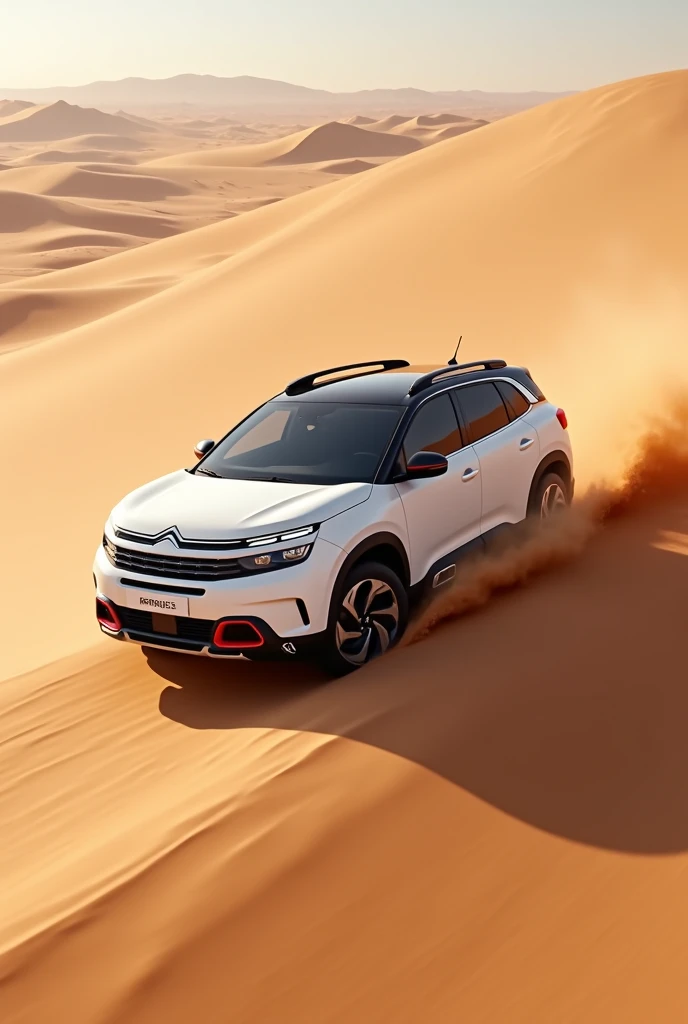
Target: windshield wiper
[
  {"x": 209, "y": 472},
  {"x": 272, "y": 479}
]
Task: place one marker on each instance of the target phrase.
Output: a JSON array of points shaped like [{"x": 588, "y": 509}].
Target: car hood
[{"x": 209, "y": 508}]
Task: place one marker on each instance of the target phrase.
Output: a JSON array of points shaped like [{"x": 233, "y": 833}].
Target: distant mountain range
[{"x": 245, "y": 92}]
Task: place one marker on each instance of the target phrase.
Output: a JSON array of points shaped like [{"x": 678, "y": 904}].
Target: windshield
[{"x": 306, "y": 443}]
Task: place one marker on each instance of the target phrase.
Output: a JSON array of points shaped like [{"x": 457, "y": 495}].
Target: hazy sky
[{"x": 345, "y": 44}]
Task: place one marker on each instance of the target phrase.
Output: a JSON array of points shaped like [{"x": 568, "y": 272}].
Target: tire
[
  {"x": 550, "y": 497},
  {"x": 368, "y": 616}
]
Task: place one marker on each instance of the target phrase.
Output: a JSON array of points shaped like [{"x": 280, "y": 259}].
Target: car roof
[{"x": 391, "y": 387}]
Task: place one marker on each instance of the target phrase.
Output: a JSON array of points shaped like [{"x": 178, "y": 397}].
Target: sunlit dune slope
[
  {"x": 62, "y": 120},
  {"x": 332, "y": 141},
  {"x": 39, "y": 307},
  {"x": 533, "y": 236}
]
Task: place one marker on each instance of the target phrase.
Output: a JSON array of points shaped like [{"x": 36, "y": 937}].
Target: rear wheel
[
  {"x": 368, "y": 615},
  {"x": 549, "y": 498}
]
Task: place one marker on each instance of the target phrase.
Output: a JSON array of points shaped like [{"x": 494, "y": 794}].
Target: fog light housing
[
  {"x": 262, "y": 561},
  {"x": 107, "y": 616},
  {"x": 237, "y": 634},
  {"x": 293, "y": 554}
]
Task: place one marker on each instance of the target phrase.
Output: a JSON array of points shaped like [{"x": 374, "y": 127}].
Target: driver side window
[{"x": 434, "y": 428}]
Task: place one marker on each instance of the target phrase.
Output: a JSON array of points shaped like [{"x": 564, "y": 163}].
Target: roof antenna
[{"x": 452, "y": 361}]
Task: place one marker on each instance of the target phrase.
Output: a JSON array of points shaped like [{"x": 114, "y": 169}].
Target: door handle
[
  {"x": 526, "y": 443},
  {"x": 469, "y": 474}
]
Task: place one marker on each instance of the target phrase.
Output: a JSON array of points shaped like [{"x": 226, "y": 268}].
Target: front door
[{"x": 443, "y": 512}]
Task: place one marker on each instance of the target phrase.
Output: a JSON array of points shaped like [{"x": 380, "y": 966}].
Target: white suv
[{"x": 316, "y": 523}]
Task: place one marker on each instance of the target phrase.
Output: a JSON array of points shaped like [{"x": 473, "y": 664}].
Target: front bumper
[{"x": 289, "y": 607}]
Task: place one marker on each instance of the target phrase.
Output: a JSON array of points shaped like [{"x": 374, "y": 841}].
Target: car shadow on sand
[{"x": 564, "y": 704}]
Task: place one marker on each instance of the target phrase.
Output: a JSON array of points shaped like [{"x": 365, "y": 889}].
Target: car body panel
[
  {"x": 442, "y": 513},
  {"x": 208, "y": 508}
]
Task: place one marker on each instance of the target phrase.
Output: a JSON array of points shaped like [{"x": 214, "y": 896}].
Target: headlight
[
  {"x": 275, "y": 559},
  {"x": 110, "y": 549}
]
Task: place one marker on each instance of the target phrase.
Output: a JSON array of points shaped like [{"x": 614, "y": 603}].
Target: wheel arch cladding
[
  {"x": 385, "y": 548},
  {"x": 554, "y": 462}
]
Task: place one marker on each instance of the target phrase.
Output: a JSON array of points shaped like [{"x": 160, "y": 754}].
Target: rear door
[
  {"x": 508, "y": 448},
  {"x": 443, "y": 512}
]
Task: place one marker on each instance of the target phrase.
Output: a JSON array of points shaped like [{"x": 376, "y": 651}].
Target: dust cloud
[{"x": 656, "y": 474}]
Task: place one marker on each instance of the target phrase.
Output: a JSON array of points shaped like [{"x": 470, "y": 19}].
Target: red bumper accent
[
  {"x": 222, "y": 637},
  {"x": 107, "y": 616}
]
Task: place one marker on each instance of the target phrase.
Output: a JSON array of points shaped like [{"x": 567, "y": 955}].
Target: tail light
[
  {"x": 107, "y": 616},
  {"x": 561, "y": 416}
]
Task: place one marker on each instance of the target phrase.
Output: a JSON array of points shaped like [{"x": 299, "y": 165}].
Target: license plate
[{"x": 162, "y": 604}]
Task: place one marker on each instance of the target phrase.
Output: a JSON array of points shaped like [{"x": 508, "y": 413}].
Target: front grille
[
  {"x": 172, "y": 567},
  {"x": 199, "y": 630}
]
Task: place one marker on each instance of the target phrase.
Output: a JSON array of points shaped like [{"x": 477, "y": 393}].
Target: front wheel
[
  {"x": 549, "y": 498},
  {"x": 368, "y": 615}
]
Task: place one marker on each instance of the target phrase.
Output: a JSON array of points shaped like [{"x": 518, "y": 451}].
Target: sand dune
[
  {"x": 435, "y": 120},
  {"x": 10, "y": 107},
  {"x": 331, "y": 141},
  {"x": 358, "y": 119},
  {"x": 74, "y": 156},
  {"x": 21, "y": 212},
  {"x": 428, "y": 128},
  {"x": 346, "y": 166},
  {"x": 105, "y": 143},
  {"x": 452, "y": 131},
  {"x": 465, "y": 830},
  {"x": 91, "y": 181},
  {"x": 32, "y": 226},
  {"x": 146, "y": 122},
  {"x": 79, "y": 294},
  {"x": 386, "y": 123},
  {"x": 61, "y": 120}
]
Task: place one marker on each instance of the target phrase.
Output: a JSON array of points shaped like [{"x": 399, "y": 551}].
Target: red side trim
[
  {"x": 107, "y": 616},
  {"x": 228, "y": 645}
]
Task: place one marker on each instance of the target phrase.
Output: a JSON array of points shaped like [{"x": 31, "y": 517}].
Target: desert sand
[
  {"x": 130, "y": 179},
  {"x": 489, "y": 823}
]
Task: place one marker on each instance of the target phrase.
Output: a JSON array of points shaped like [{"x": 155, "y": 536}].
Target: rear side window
[
  {"x": 434, "y": 428},
  {"x": 514, "y": 401},
  {"x": 483, "y": 410}
]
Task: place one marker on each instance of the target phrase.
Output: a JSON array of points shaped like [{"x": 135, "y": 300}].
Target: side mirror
[
  {"x": 203, "y": 447},
  {"x": 425, "y": 464}
]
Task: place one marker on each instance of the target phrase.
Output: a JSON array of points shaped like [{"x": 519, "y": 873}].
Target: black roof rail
[
  {"x": 428, "y": 379},
  {"x": 307, "y": 383}
]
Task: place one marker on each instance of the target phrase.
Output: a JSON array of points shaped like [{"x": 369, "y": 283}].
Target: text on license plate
[{"x": 163, "y": 604}]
